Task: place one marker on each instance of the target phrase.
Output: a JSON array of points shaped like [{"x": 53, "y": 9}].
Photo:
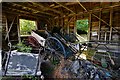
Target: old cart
[{"x": 56, "y": 42}]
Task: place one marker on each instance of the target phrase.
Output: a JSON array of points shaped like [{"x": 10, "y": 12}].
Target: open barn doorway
[{"x": 82, "y": 29}]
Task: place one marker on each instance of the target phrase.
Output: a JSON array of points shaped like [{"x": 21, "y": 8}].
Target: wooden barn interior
[{"x": 103, "y": 20}]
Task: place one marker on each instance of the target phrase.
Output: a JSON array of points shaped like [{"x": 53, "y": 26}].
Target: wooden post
[
  {"x": 75, "y": 27},
  {"x": 54, "y": 21},
  {"x": 18, "y": 28},
  {"x": 93, "y": 14},
  {"x": 7, "y": 27},
  {"x": 63, "y": 23},
  {"x": 10, "y": 28},
  {"x": 99, "y": 29},
  {"x": 111, "y": 17},
  {"x": 68, "y": 28},
  {"x": 58, "y": 21},
  {"x": 36, "y": 23},
  {"x": 89, "y": 29},
  {"x": 105, "y": 36}
]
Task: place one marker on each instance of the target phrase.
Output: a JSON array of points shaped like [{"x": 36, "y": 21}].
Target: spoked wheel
[{"x": 56, "y": 48}]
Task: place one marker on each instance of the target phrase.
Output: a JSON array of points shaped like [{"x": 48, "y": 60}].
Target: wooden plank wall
[
  {"x": 12, "y": 20},
  {"x": 14, "y": 35},
  {"x": 103, "y": 31},
  {"x": 4, "y": 29},
  {"x": 69, "y": 22},
  {"x": 100, "y": 32}
]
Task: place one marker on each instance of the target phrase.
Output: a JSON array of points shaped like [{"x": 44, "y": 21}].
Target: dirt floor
[{"x": 56, "y": 72}]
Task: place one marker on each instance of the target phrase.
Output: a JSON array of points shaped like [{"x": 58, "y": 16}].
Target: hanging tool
[{"x": 8, "y": 58}]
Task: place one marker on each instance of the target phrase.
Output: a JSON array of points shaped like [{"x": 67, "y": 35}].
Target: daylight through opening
[
  {"x": 26, "y": 26},
  {"x": 82, "y": 29}
]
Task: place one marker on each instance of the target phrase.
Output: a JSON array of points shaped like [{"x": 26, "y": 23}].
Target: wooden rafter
[
  {"x": 47, "y": 8},
  {"x": 100, "y": 19},
  {"x": 92, "y": 14},
  {"x": 94, "y": 10},
  {"x": 69, "y": 3},
  {"x": 33, "y": 9},
  {"x": 22, "y": 12},
  {"x": 99, "y": 28},
  {"x": 29, "y": 15},
  {"x": 82, "y": 6},
  {"x": 69, "y": 21},
  {"x": 64, "y": 6},
  {"x": 111, "y": 17},
  {"x": 97, "y": 17}
]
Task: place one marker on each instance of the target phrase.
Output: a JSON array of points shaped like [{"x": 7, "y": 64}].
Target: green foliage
[
  {"x": 82, "y": 25},
  {"x": 26, "y": 26},
  {"x": 55, "y": 61},
  {"x": 29, "y": 77},
  {"x": 23, "y": 48}
]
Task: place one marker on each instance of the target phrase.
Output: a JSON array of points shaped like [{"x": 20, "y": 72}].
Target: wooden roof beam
[
  {"x": 97, "y": 16},
  {"x": 82, "y": 6},
  {"x": 32, "y": 16},
  {"x": 64, "y": 6},
  {"x": 95, "y": 10},
  {"x": 47, "y": 8},
  {"x": 90, "y": 11},
  {"x": 93, "y": 14},
  {"x": 21, "y": 11},
  {"x": 69, "y": 3},
  {"x": 33, "y": 9}
]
